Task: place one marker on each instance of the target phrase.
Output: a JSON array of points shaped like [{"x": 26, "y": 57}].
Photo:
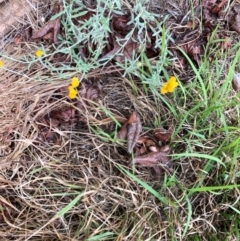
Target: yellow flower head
[
  {"x": 1, "y": 64},
  {"x": 72, "y": 94},
  {"x": 139, "y": 64},
  {"x": 75, "y": 82},
  {"x": 39, "y": 53},
  {"x": 70, "y": 87},
  {"x": 169, "y": 86}
]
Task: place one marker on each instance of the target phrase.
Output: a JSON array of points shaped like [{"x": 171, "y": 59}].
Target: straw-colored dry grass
[{"x": 40, "y": 178}]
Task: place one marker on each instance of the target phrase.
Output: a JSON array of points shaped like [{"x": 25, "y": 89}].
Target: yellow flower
[
  {"x": 75, "y": 82},
  {"x": 169, "y": 86},
  {"x": 70, "y": 87},
  {"x": 139, "y": 64},
  {"x": 1, "y": 64},
  {"x": 39, "y": 53},
  {"x": 72, "y": 94}
]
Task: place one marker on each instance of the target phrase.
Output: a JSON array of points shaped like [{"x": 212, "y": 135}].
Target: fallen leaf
[
  {"x": 163, "y": 135},
  {"x": 165, "y": 149},
  {"x": 154, "y": 148},
  {"x": 147, "y": 144},
  {"x": 92, "y": 93},
  {"x": 137, "y": 151},
  {"x": 143, "y": 149},
  {"x": 235, "y": 23},
  {"x": 193, "y": 51},
  {"x": 120, "y": 24},
  {"x": 122, "y": 133},
  {"x": 134, "y": 128},
  {"x": 64, "y": 115},
  {"x": 236, "y": 82},
  {"x": 152, "y": 159},
  {"x": 130, "y": 130},
  {"x": 150, "y": 142},
  {"x": 142, "y": 139},
  {"x": 90, "y": 90},
  {"x": 53, "y": 25}
]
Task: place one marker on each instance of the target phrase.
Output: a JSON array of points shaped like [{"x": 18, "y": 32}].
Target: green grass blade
[
  {"x": 102, "y": 236},
  {"x": 198, "y": 155},
  {"x": 70, "y": 205},
  {"x": 236, "y": 210},
  {"x": 189, "y": 215},
  {"x": 204, "y": 91},
  {"x": 208, "y": 189}
]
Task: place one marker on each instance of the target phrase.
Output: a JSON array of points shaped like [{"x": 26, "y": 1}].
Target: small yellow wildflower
[
  {"x": 1, "y": 64},
  {"x": 70, "y": 87},
  {"x": 170, "y": 85},
  {"x": 75, "y": 82},
  {"x": 72, "y": 93},
  {"x": 39, "y": 53},
  {"x": 139, "y": 64}
]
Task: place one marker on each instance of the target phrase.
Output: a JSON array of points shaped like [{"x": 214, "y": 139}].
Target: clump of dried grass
[{"x": 41, "y": 178}]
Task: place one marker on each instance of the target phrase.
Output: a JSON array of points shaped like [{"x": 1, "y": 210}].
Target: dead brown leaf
[
  {"x": 163, "y": 135},
  {"x": 235, "y": 23},
  {"x": 122, "y": 133},
  {"x": 64, "y": 115},
  {"x": 90, "y": 90},
  {"x": 142, "y": 139},
  {"x": 134, "y": 128},
  {"x": 52, "y": 25},
  {"x": 165, "y": 149},
  {"x": 152, "y": 159},
  {"x": 236, "y": 82},
  {"x": 130, "y": 130},
  {"x": 119, "y": 24},
  {"x": 147, "y": 144},
  {"x": 154, "y": 148},
  {"x": 193, "y": 50},
  {"x": 143, "y": 149}
]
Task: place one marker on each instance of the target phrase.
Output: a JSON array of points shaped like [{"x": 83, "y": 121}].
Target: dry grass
[{"x": 39, "y": 179}]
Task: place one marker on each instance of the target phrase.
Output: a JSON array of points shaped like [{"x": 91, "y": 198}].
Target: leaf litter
[
  {"x": 193, "y": 35},
  {"x": 118, "y": 46},
  {"x": 52, "y": 28},
  {"x": 147, "y": 152}
]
